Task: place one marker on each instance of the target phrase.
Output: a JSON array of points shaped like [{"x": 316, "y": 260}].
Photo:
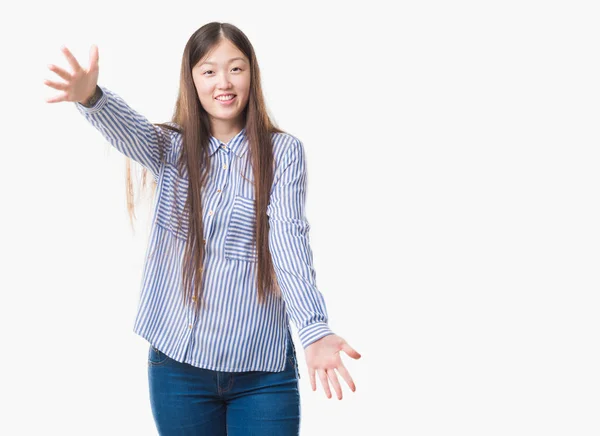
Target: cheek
[
  {"x": 245, "y": 89},
  {"x": 205, "y": 94},
  {"x": 242, "y": 83},
  {"x": 201, "y": 87}
]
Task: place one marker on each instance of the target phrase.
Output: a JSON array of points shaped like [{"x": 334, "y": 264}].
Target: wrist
[{"x": 91, "y": 100}]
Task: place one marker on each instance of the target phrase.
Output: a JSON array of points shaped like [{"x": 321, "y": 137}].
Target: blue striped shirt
[{"x": 233, "y": 332}]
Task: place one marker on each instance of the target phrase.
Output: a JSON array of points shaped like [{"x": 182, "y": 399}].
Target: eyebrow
[{"x": 230, "y": 60}]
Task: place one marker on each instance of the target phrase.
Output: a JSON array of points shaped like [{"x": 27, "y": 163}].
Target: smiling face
[{"x": 224, "y": 71}]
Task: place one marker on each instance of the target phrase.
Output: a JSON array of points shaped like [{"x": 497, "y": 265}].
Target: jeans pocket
[{"x": 155, "y": 356}]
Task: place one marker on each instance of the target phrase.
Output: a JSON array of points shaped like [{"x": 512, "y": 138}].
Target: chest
[{"x": 228, "y": 209}]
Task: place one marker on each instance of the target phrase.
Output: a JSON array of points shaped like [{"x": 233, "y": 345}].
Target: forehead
[{"x": 222, "y": 54}]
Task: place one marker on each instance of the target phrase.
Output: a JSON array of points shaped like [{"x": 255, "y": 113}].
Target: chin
[{"x": 228, "y": 117}]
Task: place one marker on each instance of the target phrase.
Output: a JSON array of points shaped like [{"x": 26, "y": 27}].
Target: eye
[{"x": 210, "y": 71}]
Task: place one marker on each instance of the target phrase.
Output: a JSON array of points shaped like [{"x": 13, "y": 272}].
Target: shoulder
[
  {"x": 173, "y": 129},
  {"x": 288, "y": 154},
  {"x": 287, "y": 147},
  {"x": 173, "y": 132}
]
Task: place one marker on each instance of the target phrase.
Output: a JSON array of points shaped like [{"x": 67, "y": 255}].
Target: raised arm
[
  {"x": 125, "y": 129},
  {"x": 128, "y": 131}
]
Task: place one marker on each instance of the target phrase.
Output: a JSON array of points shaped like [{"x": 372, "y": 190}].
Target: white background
[{"x": 453, "y": 200}]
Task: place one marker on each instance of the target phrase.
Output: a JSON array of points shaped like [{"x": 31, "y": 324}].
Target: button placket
[{"x": 221, "y": 179}]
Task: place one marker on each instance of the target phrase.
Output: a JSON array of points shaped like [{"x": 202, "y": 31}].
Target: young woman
[{"x": 228, "y": 261}]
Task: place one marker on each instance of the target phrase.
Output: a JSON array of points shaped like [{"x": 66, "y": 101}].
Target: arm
[
  {"x": 125, "y": 129},
  {"x": 290, "y": 248}
]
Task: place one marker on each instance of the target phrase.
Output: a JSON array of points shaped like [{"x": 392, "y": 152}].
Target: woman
[{"x": 229, "y": 260}]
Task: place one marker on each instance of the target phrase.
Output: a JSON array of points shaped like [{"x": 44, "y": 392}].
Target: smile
[{"x": 226, "y": 100}]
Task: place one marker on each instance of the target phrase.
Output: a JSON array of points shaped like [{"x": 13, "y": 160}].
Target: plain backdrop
[{"x": 453, "y": 155}]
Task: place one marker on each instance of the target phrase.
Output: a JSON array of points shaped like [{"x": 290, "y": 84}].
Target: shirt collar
[{"x": 238, "y": 144}]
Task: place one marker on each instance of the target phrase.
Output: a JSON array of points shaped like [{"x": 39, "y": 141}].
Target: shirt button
[
  {"x": 204, "y": 240},
  {"x": 225, "y": 166},
  {"x": 194, "y": 298},
  {"x": 190, "y": 326},
  {"x": 210, "y": 212},
  {"x": 218, "y": 190}
]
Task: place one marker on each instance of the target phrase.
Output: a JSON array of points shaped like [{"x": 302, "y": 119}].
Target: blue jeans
[{"x": 187, "y": 400}]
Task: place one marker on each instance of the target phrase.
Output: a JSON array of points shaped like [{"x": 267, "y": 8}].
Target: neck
[{"x": 225, "y": 131}]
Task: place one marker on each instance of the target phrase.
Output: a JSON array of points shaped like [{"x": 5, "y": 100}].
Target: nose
[{"x": 224, "y": 82}]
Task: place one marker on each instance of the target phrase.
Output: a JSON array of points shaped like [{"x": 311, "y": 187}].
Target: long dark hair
[{"x": 192, "y": 122}]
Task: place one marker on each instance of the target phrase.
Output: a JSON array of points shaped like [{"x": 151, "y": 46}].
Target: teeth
[{"x": 224, "y": 98}]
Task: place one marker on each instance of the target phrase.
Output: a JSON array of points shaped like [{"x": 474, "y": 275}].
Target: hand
[
  {"x": 81, "y": 83},
  {"x": 323, "y": 356}
]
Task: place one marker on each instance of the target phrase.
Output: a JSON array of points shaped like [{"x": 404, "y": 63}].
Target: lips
[
  {"x": 224, "y": 95},
  {"x": 226, "y": 103}
]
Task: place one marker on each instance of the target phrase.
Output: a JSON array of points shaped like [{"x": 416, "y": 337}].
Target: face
[{"x": 223, "y": 71}]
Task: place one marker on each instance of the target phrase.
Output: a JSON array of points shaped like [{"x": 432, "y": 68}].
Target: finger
[
  {"x": 56, "y": 85},
  {"x": 350, "y": 351},
  {"x": 62, "y": 73},
  {"x": 93, "y": 57},
  {"x": 57, "y": 98},
  {"x": 346, "y": 376},
  {"x": 334, "y": 381},
  {"x": 324, "y": 382},
  {"x": 311, "y": 376},
  {"x": 72, "y": 61}
]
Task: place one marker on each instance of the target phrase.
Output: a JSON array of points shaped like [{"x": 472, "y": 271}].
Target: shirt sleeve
[
  {"x": 126, "y": 130},
  {"x": 290, "y": 247}
]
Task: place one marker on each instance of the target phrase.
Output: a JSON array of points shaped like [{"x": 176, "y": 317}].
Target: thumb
[
  {"x": 351, "y": 351},
  {"x": 93, "y": 57}
]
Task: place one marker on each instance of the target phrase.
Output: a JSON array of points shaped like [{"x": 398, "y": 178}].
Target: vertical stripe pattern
[{"x": 232, "y": 332}]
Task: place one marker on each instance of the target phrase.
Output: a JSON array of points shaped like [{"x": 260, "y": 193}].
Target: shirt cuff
[
  {"x": 97, "y": 106},
  {"x": 313, "y": 332}
]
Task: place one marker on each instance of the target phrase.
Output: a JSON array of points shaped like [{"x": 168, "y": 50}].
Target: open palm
[
  {"x": 323, "y": 357},
  {"x": 79, "y": 84}
]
